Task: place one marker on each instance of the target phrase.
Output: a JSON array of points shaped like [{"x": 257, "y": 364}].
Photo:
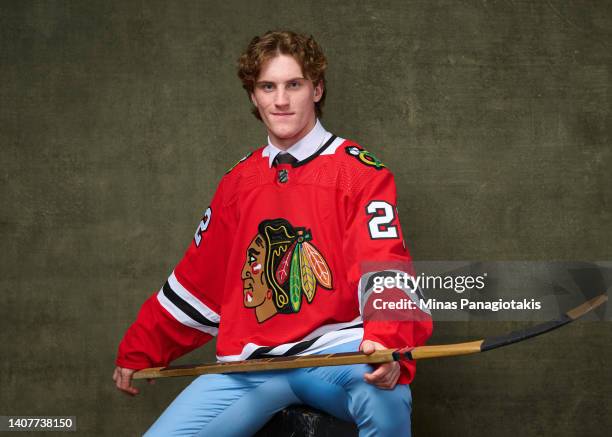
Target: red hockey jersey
[{"x": 275, "y": 265}]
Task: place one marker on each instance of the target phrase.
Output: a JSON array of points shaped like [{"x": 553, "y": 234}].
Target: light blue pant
[{"x": 239, "y": 404}]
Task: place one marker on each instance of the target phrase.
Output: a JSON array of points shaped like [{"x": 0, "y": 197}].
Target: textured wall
[{"x": 117, "y": 119}]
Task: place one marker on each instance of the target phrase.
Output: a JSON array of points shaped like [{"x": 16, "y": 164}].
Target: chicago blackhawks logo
[
  {"x": 365, "y": 157},
  {"x": 281, "y": 266}
]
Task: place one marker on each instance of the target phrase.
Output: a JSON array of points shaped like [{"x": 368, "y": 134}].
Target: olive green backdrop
[{"x": 117, "y": 120}]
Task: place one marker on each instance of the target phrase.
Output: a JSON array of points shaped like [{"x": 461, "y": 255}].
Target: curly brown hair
[{"x": 304, "y": 49}]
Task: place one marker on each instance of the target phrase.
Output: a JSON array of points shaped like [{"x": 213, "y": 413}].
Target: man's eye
[
  {"x": 252, "y": 259},
  {"x": 267, "y": 86},
  {"x": 294, "y": 84}
]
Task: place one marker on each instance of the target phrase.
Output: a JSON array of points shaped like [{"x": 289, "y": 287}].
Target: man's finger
[
  {"x": 124, "y": 382},
  {"x": 368, "y": 347},
  {"x": 120, "y": 382},
  {"x": 391, "y": 378},
  {"x": 385, "y": 376},
  {"x": 378, "y": 374},
  {"x": 132, "y": 391},
  {"x": 386, "y": 384}
]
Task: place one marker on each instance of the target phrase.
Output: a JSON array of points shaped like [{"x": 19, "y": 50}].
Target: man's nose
[{"x": 281, "y": 98}]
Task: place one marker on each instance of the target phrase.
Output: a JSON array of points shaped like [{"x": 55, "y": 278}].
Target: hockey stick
[{"x": 381, "y": 356}]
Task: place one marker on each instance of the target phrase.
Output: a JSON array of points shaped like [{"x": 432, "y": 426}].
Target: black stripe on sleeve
[{"x": 186, "y": 308}]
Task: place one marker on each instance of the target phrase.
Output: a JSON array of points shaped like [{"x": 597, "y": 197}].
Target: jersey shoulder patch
[{"x": 364, "y": 157}]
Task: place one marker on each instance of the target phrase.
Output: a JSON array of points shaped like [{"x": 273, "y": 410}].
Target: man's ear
[
  {"x": 253, "y": 100},
  {"x": 318, "y": 91}
]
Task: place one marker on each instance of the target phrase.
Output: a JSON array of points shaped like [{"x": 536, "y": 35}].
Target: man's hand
[
  {"x": 386, "y": 375},
  {"x": 123, "y": 380}
]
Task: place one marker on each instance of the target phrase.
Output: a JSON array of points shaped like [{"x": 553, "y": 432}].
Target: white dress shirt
[{"x": 304, "y": 148}]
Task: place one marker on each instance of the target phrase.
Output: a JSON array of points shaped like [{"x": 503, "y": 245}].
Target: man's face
[{"x": 285, "y": 100}]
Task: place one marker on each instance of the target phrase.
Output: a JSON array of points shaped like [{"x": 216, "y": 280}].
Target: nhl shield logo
[{"x": 283, "y": 176}]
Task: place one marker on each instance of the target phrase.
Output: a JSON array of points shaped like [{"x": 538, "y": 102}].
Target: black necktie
[{"x": 284, "y": 158}]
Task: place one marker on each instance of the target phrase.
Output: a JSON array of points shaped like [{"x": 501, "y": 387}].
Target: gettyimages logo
[{"x": 403, "y": 280}]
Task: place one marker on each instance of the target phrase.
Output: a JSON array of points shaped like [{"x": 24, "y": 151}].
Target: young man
[{"x": 282, "y": 264}]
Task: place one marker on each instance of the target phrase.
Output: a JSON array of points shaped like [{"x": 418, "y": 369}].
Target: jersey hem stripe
[{"x": 335, "y": 334}]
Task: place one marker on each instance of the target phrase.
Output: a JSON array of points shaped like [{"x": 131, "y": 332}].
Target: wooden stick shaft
[
  {"x": 446, "y": 350},
  {"x": 297, "y": 362},
  {"x": 264, "y": 364}
]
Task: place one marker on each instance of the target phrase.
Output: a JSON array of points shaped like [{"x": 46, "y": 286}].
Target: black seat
[{"x": 301, "y": 421}]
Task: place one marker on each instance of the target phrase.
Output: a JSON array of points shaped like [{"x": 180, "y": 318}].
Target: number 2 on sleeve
[
  {"x": 202, "y": 227},
  {"x": 383, "y": 215}
]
